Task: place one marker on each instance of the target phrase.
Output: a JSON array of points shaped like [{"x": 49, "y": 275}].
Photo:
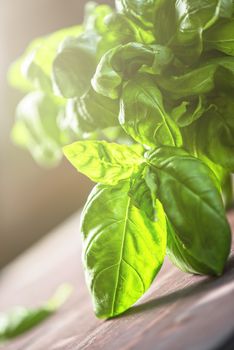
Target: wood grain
[{"x": 180, "y": 311}]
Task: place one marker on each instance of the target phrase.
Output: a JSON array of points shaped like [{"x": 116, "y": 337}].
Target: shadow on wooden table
[{"x": 207, "y": 285}]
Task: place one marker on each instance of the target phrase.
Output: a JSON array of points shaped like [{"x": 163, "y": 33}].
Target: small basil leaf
[
  {"x": 194, "y": 207},
  {"x": 104, "y": 162},
  {"x": 21, "y": 320},
  {"x": 142, "y": 195},
  {"x": 189, "y": 111},
  {"x": 142, "y": 114},
  {"x": 123, "y": 249}
]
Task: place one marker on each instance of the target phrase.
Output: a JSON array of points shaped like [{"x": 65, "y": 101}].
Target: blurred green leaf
[{"x": 21, "y": 319}]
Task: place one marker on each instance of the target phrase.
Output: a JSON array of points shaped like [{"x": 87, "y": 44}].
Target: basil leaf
[
  {"x": 218, "y": 72},
  {"x": 123, "y": 62},
  {"x": 187, "y": 112},
  {"x": 182, "y": 257},
  {"x": 36, "y": 127},
  {"x": 33, "y": 70},
  {"x": 142, "y": 114},
  {"x": 104, "y": 162},
  {"x": 97, "y": 111},
  {"x": 193, "y": 17},
  {"x": 142, "y": 10},
  {"x": 21, "y": 320},
  {"x": 133, "y": 32},
  {"x": 123, "y": 249},
  {"x": 75, "y": 64},
  {"x": 186, "y": 188},
  {"x": 165, "y": 22},
  {"x": 143, "y": 192},
  {"x": 221, "y": 37},
  {"x": 217, "y": 126}
]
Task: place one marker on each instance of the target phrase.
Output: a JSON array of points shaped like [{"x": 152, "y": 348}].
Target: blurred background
[{"x": 33, "y": 200}]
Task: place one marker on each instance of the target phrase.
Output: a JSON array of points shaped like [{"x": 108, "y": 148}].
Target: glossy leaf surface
[
  {"x": 104, "y": 162},
  {"x": 142, "y": 114},
  {"x": 193, "y": 205},
  {"x": 123, "y": 249}
]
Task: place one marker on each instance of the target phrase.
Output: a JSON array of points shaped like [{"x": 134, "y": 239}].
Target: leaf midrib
[{"x": 121, "y": 256}]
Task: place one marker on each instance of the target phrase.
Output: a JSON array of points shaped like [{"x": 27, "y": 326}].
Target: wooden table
[{"x": 180, "y": 311}]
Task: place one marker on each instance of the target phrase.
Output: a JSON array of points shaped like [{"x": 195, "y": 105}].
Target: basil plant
[{"x": 140, "y": 99}]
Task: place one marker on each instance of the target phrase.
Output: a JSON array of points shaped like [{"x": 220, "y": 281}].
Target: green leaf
[
  {"x": 90, "y": 113},
  {"x": 142, "y": 114},
  {"x": 193, "y": 205},
  {"x": 21, "y": 319},
  {"x": 218, "y": 72},
  {"x": 95, "y": 16},
  {"x": 164, "y": 23},
  {"x": 33, "y": 70},
  {"x": 143, "y": 192},
  {"x": 142, "y": 10},
  {"x": 188, "y": 111},
  {"x": 123, "y": 62},
  {"x": 182, "y": 257},
  {"x": 228, "y": 191},
  {"x": 36, "y": 127},
  {"x": 96, "y": 111},
  {"x": 193, "y": 17},
  {"x": 221, "y": 37},
  {"x": 123, "y": 249},
  {"x": 104, "y": 162},
  {"x": 75, "y": 64},
  {"x": 214, "y": 135},
  {"x": 132, "y": 32}
]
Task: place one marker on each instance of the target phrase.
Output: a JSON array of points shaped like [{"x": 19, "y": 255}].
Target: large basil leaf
[
  {"x": 75, "y": 64},
  {"x": 192, "y": 18},
  {"x": 123, "y": 62},
  {"x": 36, "y": 127},
  {"x": 96, "y": 111},
  {"x": 186, "y": 188},
  {"x": 104, "y": 162},
  {"x": 91, "y": 112},
  {"x": 218, "y": 72},
  {"x": 142, "y": 114},
  {"x": 122, "y": 251},
  {"x": 214, "y": 135}
]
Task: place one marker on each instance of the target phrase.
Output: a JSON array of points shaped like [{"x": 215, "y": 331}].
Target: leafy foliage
[{"x": 155, "y": 78}]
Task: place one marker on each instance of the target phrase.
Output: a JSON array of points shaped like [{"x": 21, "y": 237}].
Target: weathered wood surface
[{"x": 180, "y": 311}]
